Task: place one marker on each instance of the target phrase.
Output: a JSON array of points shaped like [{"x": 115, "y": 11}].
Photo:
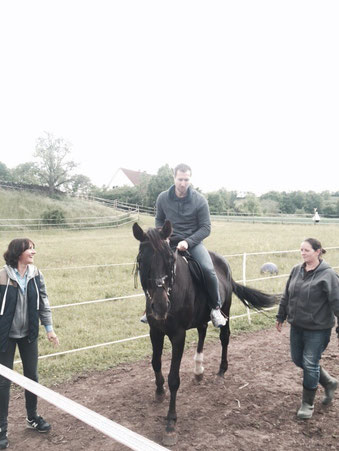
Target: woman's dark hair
[
  {"x": 315, "y": 245},
  {"x": 15, "y": 248}
]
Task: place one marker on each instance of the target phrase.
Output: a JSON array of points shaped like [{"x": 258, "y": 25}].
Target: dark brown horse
[{"x": 175, "y": 303}]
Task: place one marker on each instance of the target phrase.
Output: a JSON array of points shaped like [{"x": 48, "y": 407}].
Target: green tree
[
  {"x": 142, "y": 189},
  {"x": 286, "y": 203},
  {"x": 298, "y": 199},
  {"x": 313, "y": 200},
  {"x": 158, "y": 183},
  {"x": 27, "y": 173},
  {"x": 80, "y": 184},
  {"x": 128, "y": 194},
  {"x": 55, "y": 170},
  {"x": 221, "y": 201},
  {"x": 329, "y": 210},
  {"x": 272, "y": 195},
  {"x": 216, "y": 202},
  {"x": 5, "y": 173},
  {"x": 251, "y": 204}
]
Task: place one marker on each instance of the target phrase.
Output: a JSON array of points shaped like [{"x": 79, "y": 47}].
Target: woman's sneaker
[
  {"x": 38, "y": 423},
  {"x": 3, "y": 439}
]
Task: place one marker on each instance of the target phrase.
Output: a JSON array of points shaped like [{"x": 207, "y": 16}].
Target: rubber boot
[
  {"x": 330, "y": 385},
  {"x": 307, "y": 406}
]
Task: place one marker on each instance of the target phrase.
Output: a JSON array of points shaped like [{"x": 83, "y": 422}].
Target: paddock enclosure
[{"x": 252, "y": 408}]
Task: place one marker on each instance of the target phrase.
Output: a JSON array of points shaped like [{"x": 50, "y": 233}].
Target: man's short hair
[{"x": 183, "y": 168}]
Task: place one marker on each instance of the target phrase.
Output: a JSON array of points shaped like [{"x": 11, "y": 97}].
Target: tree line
[
  {"x": 51, "y": 169},
  {"x": 54, "y": 172}
]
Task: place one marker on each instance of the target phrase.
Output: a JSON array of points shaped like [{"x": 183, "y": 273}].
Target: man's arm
[
  {"x": 160, "y": 216},
  {"x": 204, "y": 222}
]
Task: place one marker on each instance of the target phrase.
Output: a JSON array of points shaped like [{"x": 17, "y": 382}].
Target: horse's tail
[{"x": 253, "y": 298}]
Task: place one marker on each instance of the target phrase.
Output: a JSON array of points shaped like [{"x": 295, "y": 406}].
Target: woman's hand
[
  {"x": 52, "y": 338},
  {"x": 278, "y": 326}
]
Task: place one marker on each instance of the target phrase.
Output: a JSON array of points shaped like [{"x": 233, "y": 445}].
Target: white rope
[
  {"x": 86, "y": 266},
  {"x": 282, "y": 252},
  {"x": 142, "y": 294},
  {"x": 97, "y": 301},
  {"x": 108, "y": 427},
  {"x": 70, "y": 351},
  {"x": 62, "y": 227},
  {"x": 129, "y": 264},
  {"x": 123, "y": 340}
]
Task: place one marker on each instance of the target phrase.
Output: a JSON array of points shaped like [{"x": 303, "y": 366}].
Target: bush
[{"x": 52, "y": 217}]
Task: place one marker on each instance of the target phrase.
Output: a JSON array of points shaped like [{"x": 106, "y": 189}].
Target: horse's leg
[
  {"x": 157, "y": 339},
  {"x": 178, "y": 343},
  {"x": 224, "y": 338},
  {"x": 199, "y": 356}
]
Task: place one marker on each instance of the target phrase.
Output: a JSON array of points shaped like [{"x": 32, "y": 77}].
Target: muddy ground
[{"x": 252, "y": 408}]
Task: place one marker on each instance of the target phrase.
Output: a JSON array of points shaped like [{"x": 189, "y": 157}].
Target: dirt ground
[{"x": 252, "y": 408}]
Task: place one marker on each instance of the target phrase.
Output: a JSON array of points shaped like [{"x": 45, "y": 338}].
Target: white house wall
[{"x": 120, "y": 179}]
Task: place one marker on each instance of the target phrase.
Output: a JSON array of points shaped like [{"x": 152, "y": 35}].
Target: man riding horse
[{"x": 188, "y": 212}]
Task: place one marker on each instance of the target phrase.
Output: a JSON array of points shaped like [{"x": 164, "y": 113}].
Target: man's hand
[{"x": 182, "y": 246}]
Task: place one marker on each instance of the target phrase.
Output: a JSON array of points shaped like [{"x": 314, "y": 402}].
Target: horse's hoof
[
  {"x": 199, "y": 377},
  {"x": 170, "y": 439},
  {"x": 159, "y": 397}
]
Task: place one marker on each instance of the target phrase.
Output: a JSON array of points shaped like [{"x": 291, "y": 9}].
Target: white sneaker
[{"x": 217, "y": 318}]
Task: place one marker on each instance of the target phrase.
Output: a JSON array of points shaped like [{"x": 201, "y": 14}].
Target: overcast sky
[{"x": 246, "y": 92}]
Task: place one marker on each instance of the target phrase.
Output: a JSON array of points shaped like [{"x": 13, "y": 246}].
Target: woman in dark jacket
[
  {"x": 310, "y": 303},
  {"x": 23, "y": 301}
]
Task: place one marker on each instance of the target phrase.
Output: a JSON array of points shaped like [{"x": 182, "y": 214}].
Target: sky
[{"x": 245, "y": 91}]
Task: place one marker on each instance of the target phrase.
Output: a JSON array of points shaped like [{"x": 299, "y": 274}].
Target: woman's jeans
[
  {"x": 29, "y": 356},
  {"x": 307, "y": 347},
  {"x": 202, "y": 256}
]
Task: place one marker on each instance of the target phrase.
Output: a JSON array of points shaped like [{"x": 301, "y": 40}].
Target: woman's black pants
[{"x": 29, "y": 357}]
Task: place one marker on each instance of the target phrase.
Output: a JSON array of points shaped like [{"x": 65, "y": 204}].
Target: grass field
[{"x": 75, "y": 266}]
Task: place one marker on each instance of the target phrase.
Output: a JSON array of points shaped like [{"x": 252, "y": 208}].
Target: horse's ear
[
  {"x": 166, "y": 230},
  {"x": 138, "y": 232}
]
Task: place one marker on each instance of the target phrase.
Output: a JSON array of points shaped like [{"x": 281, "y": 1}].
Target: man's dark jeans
[{"x": 201, "y": 254}]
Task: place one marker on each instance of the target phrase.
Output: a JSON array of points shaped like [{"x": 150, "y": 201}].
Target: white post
[{"x": 244, "y": 282}]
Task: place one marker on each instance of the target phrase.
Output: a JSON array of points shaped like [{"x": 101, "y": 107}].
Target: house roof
[{"x": 134, "y": 176}]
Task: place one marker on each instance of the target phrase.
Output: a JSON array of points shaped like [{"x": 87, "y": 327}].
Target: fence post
[{"x": 244, "y": 258}]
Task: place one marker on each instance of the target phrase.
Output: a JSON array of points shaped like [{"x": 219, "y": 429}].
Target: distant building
[{"x": 127, "y": 177}]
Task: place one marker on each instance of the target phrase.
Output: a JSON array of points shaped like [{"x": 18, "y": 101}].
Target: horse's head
[{"x": 156, "y": 263}]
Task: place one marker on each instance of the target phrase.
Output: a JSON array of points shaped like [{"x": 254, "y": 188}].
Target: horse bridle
[{"x": 159, "y": 282}]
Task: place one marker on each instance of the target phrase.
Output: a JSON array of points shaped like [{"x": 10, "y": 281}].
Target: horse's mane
[{"x": 157, "y": 241}]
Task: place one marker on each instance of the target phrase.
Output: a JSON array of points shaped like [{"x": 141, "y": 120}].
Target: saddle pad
[{"x": 195, "y": 269}]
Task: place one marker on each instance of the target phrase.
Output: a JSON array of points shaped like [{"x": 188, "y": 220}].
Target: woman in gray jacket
[
  {"x": 23, "y": 301},
  {"x": 310, "y": 303}
]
